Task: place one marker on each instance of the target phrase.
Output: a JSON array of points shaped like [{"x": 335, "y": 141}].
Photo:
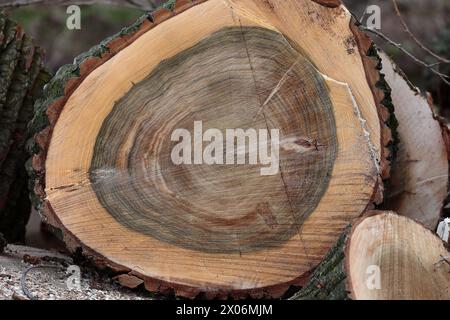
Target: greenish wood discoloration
[{"x": 248, "y": 61}]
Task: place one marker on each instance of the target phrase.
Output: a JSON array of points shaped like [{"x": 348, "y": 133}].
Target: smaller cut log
[
  {"x": 419, "y": 177},
  {"x": 384, "y": 256}
]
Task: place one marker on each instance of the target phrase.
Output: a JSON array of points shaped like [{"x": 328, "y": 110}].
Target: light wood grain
[{"x": 408, "y": 256}]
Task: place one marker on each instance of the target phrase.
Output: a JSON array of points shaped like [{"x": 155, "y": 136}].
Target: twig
[
  {"x": 417, "y": 41},
  {"x": 410, "y": 55},
  {"x": 435, "y": 64}
]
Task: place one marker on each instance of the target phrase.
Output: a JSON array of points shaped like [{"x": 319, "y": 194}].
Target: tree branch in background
[
  {"x": 413, "y": 37},
  {"x": 409, "y": 54},
  {"x": 139, "y": 4}
]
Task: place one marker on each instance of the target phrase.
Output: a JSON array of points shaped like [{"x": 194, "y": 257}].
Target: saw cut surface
[{"x": 238, "y": 78}]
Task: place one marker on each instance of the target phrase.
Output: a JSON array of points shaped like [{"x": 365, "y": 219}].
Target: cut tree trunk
[
  {"x": 105, "y": 178},
  {"x": 21, "y": 80},
  {"x": 419, "y": 179},
  {"x": 384, "y": 256}
]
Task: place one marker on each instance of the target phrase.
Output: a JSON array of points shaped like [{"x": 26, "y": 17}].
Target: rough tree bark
[
  {"x": 21, "y": 81},
  {"x": 101, "y": 166},
  {"x": 384, "y": 256}
]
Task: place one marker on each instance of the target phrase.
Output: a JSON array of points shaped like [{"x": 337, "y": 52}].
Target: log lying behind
[
  {"x": 20, "y": 83},
  {"x": 419, "y": 179},
  {"x": 104, "y": 172},
  {"x": 384, "y": 256}
]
